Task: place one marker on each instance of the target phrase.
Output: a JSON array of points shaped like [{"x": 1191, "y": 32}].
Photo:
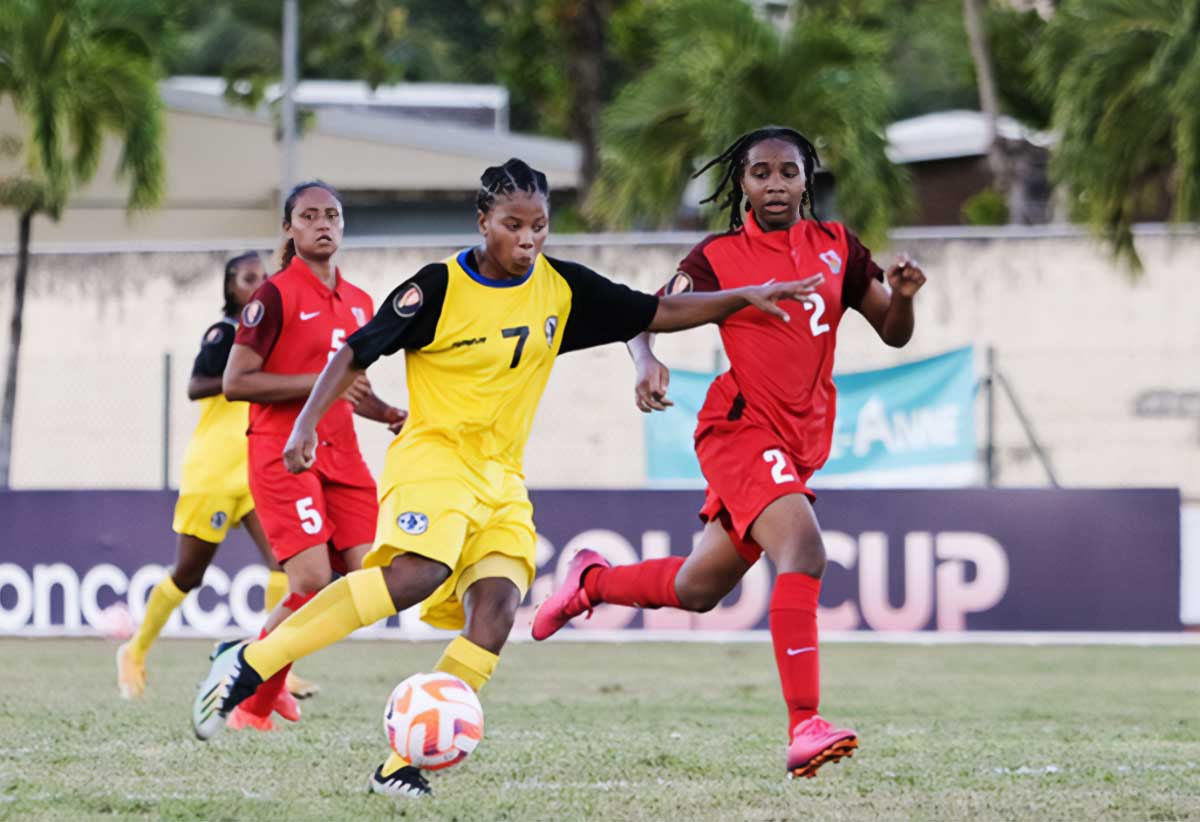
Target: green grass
[{"x": 676, "y": 732}]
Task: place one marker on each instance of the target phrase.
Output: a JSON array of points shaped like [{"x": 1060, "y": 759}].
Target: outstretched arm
[
  {"x": 680, "y": 311},
  {"x": 891, "y": 315},
  {"x": 338, "y": 375}
]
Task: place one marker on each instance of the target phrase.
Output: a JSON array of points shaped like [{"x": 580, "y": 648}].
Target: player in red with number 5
[
  {"x": 767, "y": 423},
  {"x": 298, "y": 319}
]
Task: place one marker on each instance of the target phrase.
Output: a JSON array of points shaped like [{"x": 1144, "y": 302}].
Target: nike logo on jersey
[
  {"x": 794, "y": 651},
  {"x": 308, "y": 316}
]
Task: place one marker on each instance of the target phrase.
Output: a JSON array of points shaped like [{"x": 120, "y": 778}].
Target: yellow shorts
[
  {"x": 210, "y": 516},
  {"x": 478, "y": 526}
]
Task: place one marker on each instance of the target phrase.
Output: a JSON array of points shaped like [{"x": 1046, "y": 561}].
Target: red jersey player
[
  {"x": 766, "y": 424},
  {"x": 297, "y": 320}
]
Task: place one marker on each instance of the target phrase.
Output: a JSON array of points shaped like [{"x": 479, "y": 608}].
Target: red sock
[
  {"x": 649, "y": 584},
  {"x": 793, "y": 619},
  {"x": 263, "y": 700}
]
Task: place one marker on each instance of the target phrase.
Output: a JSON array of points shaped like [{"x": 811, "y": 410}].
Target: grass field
[{"x": 613, "y": 732}]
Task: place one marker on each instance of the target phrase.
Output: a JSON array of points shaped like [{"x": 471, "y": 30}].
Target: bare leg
[
  {"x": 254, "y": 528},
  {"x": 710, "y": 572}
]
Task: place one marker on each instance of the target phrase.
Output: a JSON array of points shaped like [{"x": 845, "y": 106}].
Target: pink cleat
[
  {"x": 240, "y": 718},
  {"x": 815, "y": 742},
  {"x": 570, "y": 600},
  {"x": 286, "y": 706}
]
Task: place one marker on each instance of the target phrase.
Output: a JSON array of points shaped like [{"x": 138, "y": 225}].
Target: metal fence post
[
  {"x": 989, "y": 454},
  {"x": 166, "y": 422}
]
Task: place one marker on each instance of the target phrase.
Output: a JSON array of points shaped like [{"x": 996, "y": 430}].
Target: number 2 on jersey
[
  {"x": 778, "y": 461},
  {"x": 816, "y": 304}
]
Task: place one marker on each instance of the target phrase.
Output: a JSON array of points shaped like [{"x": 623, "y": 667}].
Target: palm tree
[
  {"x": 1125, "y": 79},
  {"x": 721, "y": 71},
  {"x": 75, "y": 72}
]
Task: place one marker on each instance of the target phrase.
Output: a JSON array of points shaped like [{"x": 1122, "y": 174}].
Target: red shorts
[
  {"x": 747, "y": 467},
  {"x": 333, "y": 503}
]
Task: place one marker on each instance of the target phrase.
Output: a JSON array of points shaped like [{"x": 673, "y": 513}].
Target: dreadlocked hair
[
  {"x": 728, "y": 193},
  {"x": 231, "y": 308},
  {"x": 288, "y": 250},
  {"x": 515, "y": 175}
]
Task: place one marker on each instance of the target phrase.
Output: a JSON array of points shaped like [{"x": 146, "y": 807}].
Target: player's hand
[
  {"x": 301, "y": 450},
  {"x": 358, "y": 391},
  {"x": 396, "y": 417},
  {"x": 766, "y": 297},
  {"x": 905, "y": 277},
  {"x": 650, "y": 393}
]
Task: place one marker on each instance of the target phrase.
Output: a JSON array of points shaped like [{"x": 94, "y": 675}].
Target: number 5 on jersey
[{"x": 310, "y": 518}]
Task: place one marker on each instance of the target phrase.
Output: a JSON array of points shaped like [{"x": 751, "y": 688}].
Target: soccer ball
[{"x": 433, "y": 720}]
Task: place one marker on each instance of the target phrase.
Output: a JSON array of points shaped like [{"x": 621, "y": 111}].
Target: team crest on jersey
[
  {"x": 218, "y": 519},
  {"x": 831, "y": 259},
  {"x": 411, "y": 522},
  {"x": 360, "y": 316},
  {"x": 408, "y": 302},
  {"x": 253, "y": 313},
  {"x": 551, "y": 327},
  {"x": 681, "y": 283},
  {"x": 214, "y": 334}
]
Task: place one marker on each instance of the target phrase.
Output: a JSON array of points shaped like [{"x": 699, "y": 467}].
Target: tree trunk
[
  {"x": 588, "y": 51},
  {"x": 14, "y": 350},
  {"x": 985, "y": 78}
]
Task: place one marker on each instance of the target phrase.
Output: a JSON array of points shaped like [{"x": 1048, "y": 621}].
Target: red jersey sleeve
[
  {"x": 262, "y": 320},
  {"x": 860, "y": 270},
  {"x": 695, "y": 273}
]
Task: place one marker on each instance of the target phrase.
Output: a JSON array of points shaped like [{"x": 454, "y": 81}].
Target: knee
[
  {"x": 801, "y": 556},
  {"x": 187, "y": 579},
  {"x": 698, "y": 598},
  {"x": 308, "y": 581},
  {"x": 411, "y": 575}
]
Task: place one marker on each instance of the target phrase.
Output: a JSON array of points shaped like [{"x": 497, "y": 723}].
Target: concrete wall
[{"x": 1078, "y": 339}]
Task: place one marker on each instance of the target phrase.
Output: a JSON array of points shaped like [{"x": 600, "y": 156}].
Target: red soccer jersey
[
  {"x": 296, "y": 323},
  {"x": 780, "y": 374}
]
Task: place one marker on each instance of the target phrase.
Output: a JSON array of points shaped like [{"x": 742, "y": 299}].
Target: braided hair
[
  {"x": 231, "y": 308},
  {"x": 288, "y": 250},
  {"x": 733, "y": 163},
  {"x": 515, "y": 175}
]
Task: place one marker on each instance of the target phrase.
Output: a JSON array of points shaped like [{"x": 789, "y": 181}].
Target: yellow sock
[
  {"x": 163, "y": 601},
  {"x": 341, "y": 608},
  {"x": 467, "y": 661},
  {"x": 394, "y": 763},
  {"x": 277, "y": 589}
]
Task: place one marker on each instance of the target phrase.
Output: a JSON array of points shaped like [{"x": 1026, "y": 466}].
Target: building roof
[
  {"x": 358, "y": 94},
  {"x": 561, "y": 156},
  {"x": 944, "y": 135}
]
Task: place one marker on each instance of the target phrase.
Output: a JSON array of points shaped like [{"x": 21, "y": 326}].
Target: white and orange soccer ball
[{"x": 433, "y": 720}]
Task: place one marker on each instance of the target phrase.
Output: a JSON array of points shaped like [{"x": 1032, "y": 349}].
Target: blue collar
[{"x": 464, "y": 260}]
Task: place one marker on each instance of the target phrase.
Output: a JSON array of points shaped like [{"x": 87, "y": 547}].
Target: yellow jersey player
[
  {"x": 480, "y": 331},
  {"x": 214, "y": 494}
]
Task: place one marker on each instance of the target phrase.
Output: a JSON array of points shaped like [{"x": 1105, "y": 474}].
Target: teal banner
[{"x": 908, "y": 426}]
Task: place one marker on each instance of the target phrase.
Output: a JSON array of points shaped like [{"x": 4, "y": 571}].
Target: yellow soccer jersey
[
  {"x": 479, "y": 351},
  {"x": 215, "y": 460}
]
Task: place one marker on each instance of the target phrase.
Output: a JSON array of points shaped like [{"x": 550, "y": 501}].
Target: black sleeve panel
[
  {"x": 214, "y": 350},
  {"x": 860, "y": 270},
  {"x": 408, "y": 318},
  {"x": 601, "y": 311}
]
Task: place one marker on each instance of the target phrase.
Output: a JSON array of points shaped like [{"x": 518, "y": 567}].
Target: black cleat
[{"x": 406, "y": 782}]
